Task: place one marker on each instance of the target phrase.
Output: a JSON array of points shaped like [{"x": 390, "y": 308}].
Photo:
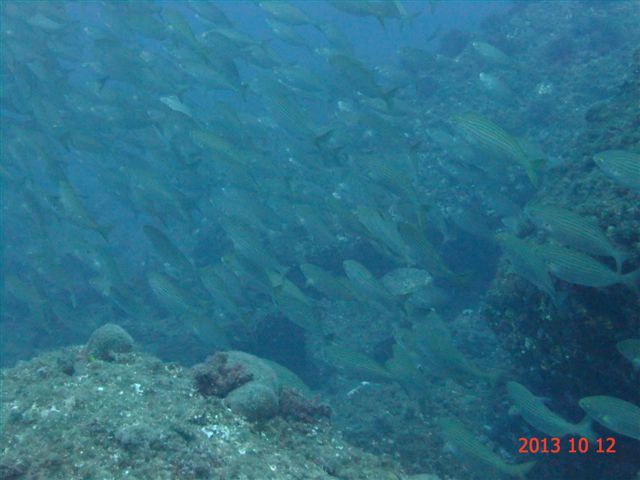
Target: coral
[
  {"x": 217, "y": 377},
  {"x": 108, "y": 341}
]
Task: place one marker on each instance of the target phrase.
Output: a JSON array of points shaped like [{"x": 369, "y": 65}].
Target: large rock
[
  {"x": 258, "y": 368},
  {"x": 254, "y": 400}
]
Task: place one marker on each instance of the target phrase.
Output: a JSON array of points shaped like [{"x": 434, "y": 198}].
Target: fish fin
[
  {"x": 408, "y": 19},
  {"x": 104, "y": 231},
  {"x": 244, "y": 88},
  {"x": 584, "y": 429},
  {"x": 381, "y": 20},
  {"x": 461, "y": 278},
  {"x": 388, "y": 97},
  {"x": 102, "y": 81},
  {"x": 321, "y": 138},
  {"x": 513, "y": 410},
  {"x": 512, "y": 223}
]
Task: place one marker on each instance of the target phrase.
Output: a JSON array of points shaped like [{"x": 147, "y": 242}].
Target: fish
[
  {"x": 622, "y": 166},
  {"x": 473, "y": 220},
  {"x": 300, "y": 78},
  {"x": 336, "y": 37},
  {"x": 287, "y": 33},
  {"x": 378, "y": 9},
  {"x": 489, "y": 137},
  {"x": 100, "y": 261},
  {"x": 426, "y": 298},
  {"x": 326, "y": 283},
  {"x": 576, "y": 231},
  {"x": 491, "y": 54},
  {"x": 75, "y": 212},
  {"x": 476, "y": 454},
  {"x": 403, "y": 281},
  {"x": 170, "y": 255},
  {"x": 422, "y": 253},
  {"x": 217, "y": 289},
  {"x": 286, "y": 12},
  {"x": 154, "y": 194},
  {"x": 356, "y": 364},
  {"x": 174, "y": 103},
  {"x": 431, "y": 340},
  {"x": 630, "y": 349},
  {"x": 527, "y": 263},
  {"x": 359, "y": 77},
  {"x": 534, "y": 411},
  {"x": 174, "y": 297},
  {"x": 617, "y": 415},
  {"x": 210, "y": 13},
  {"x": 392, "y": 174},
  {"x": 178, "y": 27},
  {"x": 25, "y": 291},
  {"x": 581, "y": 269},
  {"x": 249, "y": 245},
  {"x": 383, "y": 231},
  {"x": 496, "y": 87},
  {"x": 367, "y": 285},
  {"x": 286, "y": 287},
  {"x": 193, "y": 311}
]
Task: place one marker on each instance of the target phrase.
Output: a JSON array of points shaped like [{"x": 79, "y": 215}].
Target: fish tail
[
  {"x": 620, "y": 256},
  {"x": 244, "y": 88},
  {"x": 632, "y": 280},
  {"x": 522, "y": 469},
  {"x": 388, "y": 97},
  {"x": 533, "y": 169}
]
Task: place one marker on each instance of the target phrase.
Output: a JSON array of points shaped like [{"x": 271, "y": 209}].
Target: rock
[
  {"x": 107, "y": 341},
  {"x": 261, "y": 372},
  {"x": 254, "y": 400}
]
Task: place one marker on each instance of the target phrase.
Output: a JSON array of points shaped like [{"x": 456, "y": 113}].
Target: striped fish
[
  {"x": 366, "y": 284},
  {"x": 383, "y": 231},
  {"x": 575, "y": 231},
  {"x": 326, "y": 283},
  {"x": 172, "y": 296},
  {"x": 167, "y": 251},
  {"x": 581, "y": 269},
  {"x": 475, "y": 453},
  {"x": 487, "y": 136},
  {"x": 526, "y": 263},
  {"x": 618, "y": 415},
  {"x": 621, "y": 166},
  {"x": 533, "y": 410}
]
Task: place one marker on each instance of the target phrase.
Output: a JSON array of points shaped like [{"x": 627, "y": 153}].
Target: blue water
[{"x": 155, "y": 176}]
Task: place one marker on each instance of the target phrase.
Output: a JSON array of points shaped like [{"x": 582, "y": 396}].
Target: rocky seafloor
[{"x": 86, "y": 413}]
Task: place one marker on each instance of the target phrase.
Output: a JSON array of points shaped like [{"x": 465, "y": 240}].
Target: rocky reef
[{"x": 70, "y": 415}]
